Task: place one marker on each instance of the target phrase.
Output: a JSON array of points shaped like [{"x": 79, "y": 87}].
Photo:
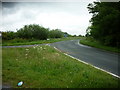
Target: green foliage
[
  {"x": 80, "y": 36},
  {"x": 105, "y": 22},
  {"x": 74, "y": 36},
  {"x": 8, "y": 35},
  {"x": 55, "y": 33},
  {"x": 90, "y": 41},
  {"x": 33, "y": 31}
]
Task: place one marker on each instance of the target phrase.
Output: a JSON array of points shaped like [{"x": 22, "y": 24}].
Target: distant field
[
  {"x": 44, "y": 67},
  {"x": 29, "y": 42},
  {"x": 96, "y": 44}
]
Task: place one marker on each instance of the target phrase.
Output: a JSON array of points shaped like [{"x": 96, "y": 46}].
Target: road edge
[{"x": 88, "y": 64}]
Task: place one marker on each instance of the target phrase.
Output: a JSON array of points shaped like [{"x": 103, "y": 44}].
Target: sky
[{"x": 70, "y": 17}]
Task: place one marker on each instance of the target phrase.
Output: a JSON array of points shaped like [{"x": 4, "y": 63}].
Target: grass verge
[
  {"x": 96, "y": 44},
  {"x": 45, "y": 67},
  {"x": 29, "y": 42}
]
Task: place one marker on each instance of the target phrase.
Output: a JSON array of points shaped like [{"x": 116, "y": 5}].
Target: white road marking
[
  {"x": 83, "y": 45},
  {"x": 89, "y": 64}
]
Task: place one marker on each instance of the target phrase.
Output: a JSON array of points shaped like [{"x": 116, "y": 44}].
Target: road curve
[{"x": 103, "y": 59}]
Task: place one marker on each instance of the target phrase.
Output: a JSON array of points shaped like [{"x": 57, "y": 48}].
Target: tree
[
  {"x": 8, "y": 35},
  {"x": 66, "y": 34},
  {"x": 88, "y": 32},
  {"x": 33, "y": 31},
  {"x": 57, "y": 33},
  {"x": 105, "y": 22}
]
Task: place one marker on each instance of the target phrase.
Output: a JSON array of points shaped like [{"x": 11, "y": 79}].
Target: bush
[
  {"x": 33, "y": 31},
  {"x": 18, "y": 40},
  {"x": 56, "y": 33},
  {"x": 9, "y": 35}
]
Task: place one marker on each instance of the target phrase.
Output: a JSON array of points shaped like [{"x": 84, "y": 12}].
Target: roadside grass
[
  {"x": 91, "y": 42},
  {"x": 31, "y": 42},
  {"x": 0, "y": 41},
  {"x": 45, "y": 67}
]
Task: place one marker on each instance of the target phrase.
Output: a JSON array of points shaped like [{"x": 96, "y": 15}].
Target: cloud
[
  {"x": 9, "y": 4},
  {"x": 69, "y": 17},
  {"x": 9, "y": 7}
]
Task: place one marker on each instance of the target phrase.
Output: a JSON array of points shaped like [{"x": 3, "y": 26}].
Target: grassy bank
[
  {"x": 44, "y": 67},
  {"x": 96, "y": 44},
  {"x": 31, "y": 42}
]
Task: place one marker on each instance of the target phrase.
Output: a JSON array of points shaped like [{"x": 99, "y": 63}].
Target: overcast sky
[{"x": 71, "y": 17}]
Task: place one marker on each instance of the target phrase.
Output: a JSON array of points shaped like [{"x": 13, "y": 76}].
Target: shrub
[
  {"x": 56, "y": 33},
  {"x": 8, "y": 35},
  {"x": 33, "y": 31}
]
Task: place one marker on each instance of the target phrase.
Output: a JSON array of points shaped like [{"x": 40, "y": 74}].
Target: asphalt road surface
[{"x": 103, "y": 59}]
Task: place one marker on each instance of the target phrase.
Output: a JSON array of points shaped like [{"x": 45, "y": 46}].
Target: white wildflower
[
  {"x": 44, "y": 48},
  {"x": 41, "y": 48},
  {"x": 26, "y": 49}
]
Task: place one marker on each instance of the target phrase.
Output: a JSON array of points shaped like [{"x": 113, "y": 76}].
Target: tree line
[
  {"x": 105, "y": 22},
  {"x": 34, "y": 31}
]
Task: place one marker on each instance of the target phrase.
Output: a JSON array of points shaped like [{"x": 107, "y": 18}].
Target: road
[{"x": 102, "y": 59}]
